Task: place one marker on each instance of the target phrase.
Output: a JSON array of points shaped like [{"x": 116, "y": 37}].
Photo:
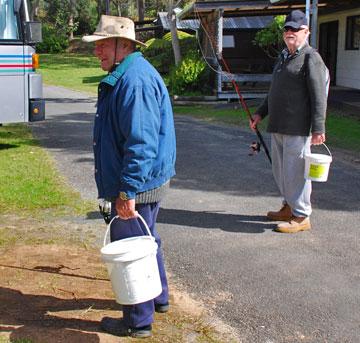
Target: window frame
[
  {"x": 350, "y": 33},
  {"x": 18, "y": 28}
]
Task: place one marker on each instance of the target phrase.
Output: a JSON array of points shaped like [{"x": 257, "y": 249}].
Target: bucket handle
[
  {"x": 137, "y": 216},
  {"x": 327, "y": 148}
]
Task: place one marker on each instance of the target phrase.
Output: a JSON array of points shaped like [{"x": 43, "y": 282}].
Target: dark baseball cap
[{"x": 296, "y": 19}]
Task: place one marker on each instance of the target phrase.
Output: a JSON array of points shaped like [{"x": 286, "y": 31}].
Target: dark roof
[
  {"x": 228, "y": 23},
  {"x": 262, "y": 7}
]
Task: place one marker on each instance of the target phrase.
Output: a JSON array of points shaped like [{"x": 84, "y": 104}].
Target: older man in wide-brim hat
[
  {"x": 110, "y": 36},
  {"x": 134, "y": 150}
]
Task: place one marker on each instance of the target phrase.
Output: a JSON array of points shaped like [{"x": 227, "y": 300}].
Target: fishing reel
[
  {"x": 105, "y": 210},
  {"x": 254, "y": 148}
]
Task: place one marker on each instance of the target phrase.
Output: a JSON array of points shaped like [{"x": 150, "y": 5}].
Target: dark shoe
[
  {"x": 284, "y": 214},
  {"x": 162, "y": 308},
  {"x": 116, "y": 327},
  {"x": 296, "y": 224}
]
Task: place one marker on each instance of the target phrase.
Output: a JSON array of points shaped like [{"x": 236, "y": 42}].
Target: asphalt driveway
[{"x": 218, "y": 244}]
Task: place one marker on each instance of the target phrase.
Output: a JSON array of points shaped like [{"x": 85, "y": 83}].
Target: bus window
[{"x": 8, "y": 22}]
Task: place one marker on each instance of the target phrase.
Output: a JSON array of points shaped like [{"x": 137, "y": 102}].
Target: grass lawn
[
  {"x": 342, "y": 131},
  {"x": 28, "y": 180},
  {"x": 74, "y": 71},
  {"x": 82, "y": 72}
]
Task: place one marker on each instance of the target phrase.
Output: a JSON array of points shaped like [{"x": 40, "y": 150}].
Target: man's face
[
  {"x": 105, "y": 52},
  {"x": 294, "y": 38}
]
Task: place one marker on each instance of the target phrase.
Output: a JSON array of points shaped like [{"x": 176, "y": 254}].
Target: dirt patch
[{"x": 58, "y": 292}]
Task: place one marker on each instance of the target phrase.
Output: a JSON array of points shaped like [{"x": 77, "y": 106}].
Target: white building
[{"x": 339, "y": 44}]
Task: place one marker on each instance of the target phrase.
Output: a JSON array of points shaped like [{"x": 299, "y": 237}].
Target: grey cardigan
[{"x": 297, "y": 99}]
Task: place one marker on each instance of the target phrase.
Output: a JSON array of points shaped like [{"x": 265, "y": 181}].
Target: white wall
[{"x": 348, "y": 61}]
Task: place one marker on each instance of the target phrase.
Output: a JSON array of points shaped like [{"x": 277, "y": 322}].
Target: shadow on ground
[
  {"x": 214, "y": 220},
  {"x": 35, "y": 317}
]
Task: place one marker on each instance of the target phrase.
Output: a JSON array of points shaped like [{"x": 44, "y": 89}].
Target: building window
[
  {"x": 228, "y": 42},
  {"x": 353, "y": 33}
]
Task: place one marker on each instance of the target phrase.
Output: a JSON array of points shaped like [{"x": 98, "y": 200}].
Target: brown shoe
[
  {"x": 295, "y": 224},
  {"x": 283, "y": 215}
]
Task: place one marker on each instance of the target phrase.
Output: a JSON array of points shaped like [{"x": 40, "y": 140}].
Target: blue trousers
[{"x": 139, "y": 315}]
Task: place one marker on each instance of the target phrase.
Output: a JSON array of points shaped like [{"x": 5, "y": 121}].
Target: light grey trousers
[{"x": 288, "y": 166}]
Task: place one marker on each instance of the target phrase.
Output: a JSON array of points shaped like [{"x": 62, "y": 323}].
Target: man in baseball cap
[
  {"x": 296, "y": 105},
  {"x": 296, "y": 19}
]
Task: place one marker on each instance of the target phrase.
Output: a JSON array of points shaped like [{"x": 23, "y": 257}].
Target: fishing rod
[{"x": 255, "y": 147}]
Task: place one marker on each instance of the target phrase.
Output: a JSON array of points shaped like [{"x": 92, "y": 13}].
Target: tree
[
  {"x": 117, "y": 5},
  {"x": 34, "y": 8},
  {"x": 72, "y": 9},
  {"x": 174, "y": 37},
  {"x": 141, "y": 9},
  {"x": 270, "y": 39}
]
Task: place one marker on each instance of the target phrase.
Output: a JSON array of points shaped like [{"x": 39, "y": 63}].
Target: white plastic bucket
[
  {"x": 317, "y": 166},
  {"x": 132, "y": 267}
]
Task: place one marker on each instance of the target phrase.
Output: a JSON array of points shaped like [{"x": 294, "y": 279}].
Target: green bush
[
  {"x": 191, "y": 77},
  {"x": 53, "y": 40},
  {"x": 181, "y": 35},
  {"x": 270, "y": 39},
  {"x": 160, "y": 53}
]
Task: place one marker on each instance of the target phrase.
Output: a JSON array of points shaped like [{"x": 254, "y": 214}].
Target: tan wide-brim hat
[{"x": 113, "y": 27}]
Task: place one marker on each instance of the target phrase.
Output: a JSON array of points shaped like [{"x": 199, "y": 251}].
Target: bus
[{"x": 21, "y": 90}]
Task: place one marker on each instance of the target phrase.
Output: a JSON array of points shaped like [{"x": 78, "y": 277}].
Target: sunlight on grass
[
  {"x": 343, "y": 132},
  {"x": 74, "y": 71},
  {"x": 28, "y": 180},
  {"x": 235, "y": 115}
]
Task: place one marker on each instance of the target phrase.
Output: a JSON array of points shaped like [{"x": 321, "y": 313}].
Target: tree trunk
[
  {"x": 71, "y": 19},
  {"x": 71, "y": 27},
  {"x": 34, "y": 9},
  {"x": 99, "y": 8},
  {"x": 117, "y": 4},
  {"x": 174, "y": 37},
  {"x": 141, "y": 10}
]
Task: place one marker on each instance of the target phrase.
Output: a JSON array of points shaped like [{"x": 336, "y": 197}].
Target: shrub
[
  {"x": 270, "y": 39},
  {"x": 160, "y": 53},
  {"x": 190, "y": 77},
  {"x": 181, "y": 35},
  {"x": 53, "y": 40}
]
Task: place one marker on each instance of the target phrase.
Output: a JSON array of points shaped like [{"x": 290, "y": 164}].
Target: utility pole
[
  {"x": 307, "y": 11},
  {"x": 314, "y": 22},
  {"x": 107, "y": 7},
  {"x": 174, "y": 37}
]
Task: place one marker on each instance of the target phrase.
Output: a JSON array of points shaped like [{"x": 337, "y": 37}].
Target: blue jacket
[{"x": 134, "y": 135}]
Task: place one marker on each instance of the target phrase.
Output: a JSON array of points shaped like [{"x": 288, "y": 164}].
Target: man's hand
[
  {"x": 256, "y": 119},
  {"x": 317, "y": 138},
  {"x": 125, "y": 208}
]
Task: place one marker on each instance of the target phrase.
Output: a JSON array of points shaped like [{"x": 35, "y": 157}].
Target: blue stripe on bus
[
  {"x": 15, "y": 61},
  {"x": 15, "y": 56},
  {"x": 15, "y": 70},
  {"x": 18, "y": 55}
]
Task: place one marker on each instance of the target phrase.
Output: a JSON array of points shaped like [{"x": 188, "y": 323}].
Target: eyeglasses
[{"x": 288, "y": 28}]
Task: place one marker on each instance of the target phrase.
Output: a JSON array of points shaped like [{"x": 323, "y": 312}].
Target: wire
[
  {"x": 212, "y": 48},
  {"x": 231, "y": 76}
]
